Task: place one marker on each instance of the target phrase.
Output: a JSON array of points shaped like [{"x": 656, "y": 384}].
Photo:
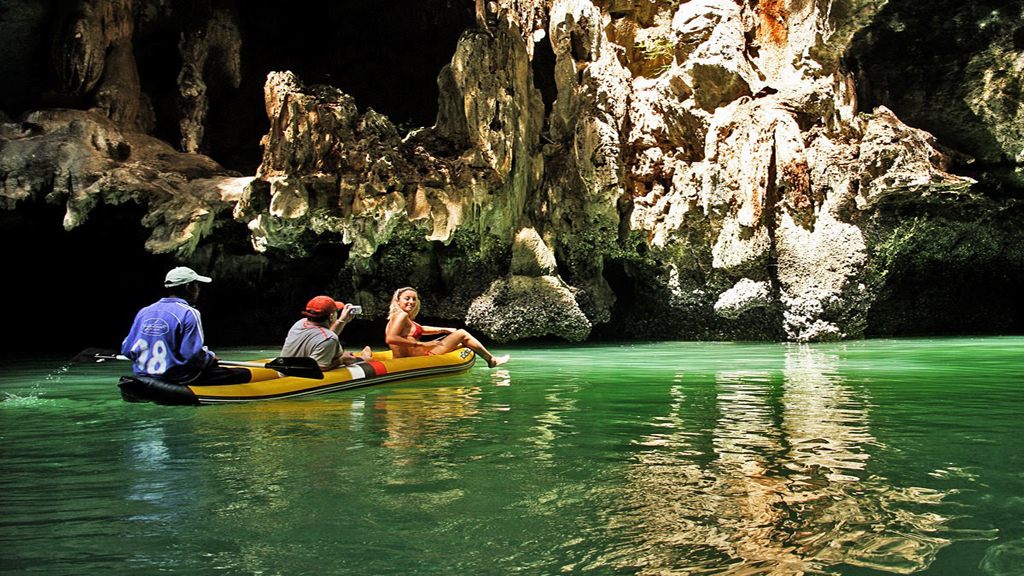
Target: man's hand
[{"x": 346, "y": 314}]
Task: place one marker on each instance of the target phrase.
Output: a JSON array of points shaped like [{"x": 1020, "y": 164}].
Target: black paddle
[{"x": 298, "y": 366}]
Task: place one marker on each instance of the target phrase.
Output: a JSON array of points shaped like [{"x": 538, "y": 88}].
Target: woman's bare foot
[
  {"x": 497, "y": 361},
  {"x": 366, "y": 354}
]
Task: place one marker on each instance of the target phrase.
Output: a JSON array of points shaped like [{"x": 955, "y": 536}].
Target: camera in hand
[{"x": 356, "y": 309}]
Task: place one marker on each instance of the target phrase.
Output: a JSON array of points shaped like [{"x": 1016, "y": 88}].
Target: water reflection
[
  {"x": 267, "y": 476},
  {"x": 778, "y": 483}
]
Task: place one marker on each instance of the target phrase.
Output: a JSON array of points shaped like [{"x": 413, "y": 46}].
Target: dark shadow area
[
  {"x": 940, "y": 305},
  {"x": 544, "y": 74},
  {"x": 68, "y": 290},
  {"x": 623, "y": 285},
  {"x": 24, "y": 27},
  {"x": 71, "y": 290}
]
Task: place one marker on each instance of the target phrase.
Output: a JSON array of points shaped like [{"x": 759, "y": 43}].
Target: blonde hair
[{"x": 394, "y": 309}]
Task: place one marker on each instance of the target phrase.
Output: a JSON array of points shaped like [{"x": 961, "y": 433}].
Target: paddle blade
[
  {"x": 94, "y": 355},
  {"x": 299, "y": 366}
]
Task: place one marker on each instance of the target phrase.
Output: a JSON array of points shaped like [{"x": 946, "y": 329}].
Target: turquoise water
[{"x": 869, "y": 457}]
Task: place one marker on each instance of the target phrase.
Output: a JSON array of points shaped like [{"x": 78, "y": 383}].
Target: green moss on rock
[{"x": 942, "y": 275}]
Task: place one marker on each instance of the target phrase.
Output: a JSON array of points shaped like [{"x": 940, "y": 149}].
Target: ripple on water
[{"x": 1005, "y": 559}]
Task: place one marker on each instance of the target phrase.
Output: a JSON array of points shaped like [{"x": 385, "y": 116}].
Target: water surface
[{"x": 870, "y": 457}]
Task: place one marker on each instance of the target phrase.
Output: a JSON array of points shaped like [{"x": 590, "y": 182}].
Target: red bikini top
[{"x": 417, "y": 331}]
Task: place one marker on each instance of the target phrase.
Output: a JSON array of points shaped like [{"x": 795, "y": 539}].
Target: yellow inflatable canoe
[{"x": 267, "y": 384}]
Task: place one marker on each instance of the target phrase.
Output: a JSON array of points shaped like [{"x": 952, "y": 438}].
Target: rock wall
[
  {"x": 597, "y": 168},
  {"x": 954, "y": 69}
]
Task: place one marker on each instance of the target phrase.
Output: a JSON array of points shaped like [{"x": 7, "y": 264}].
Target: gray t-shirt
[{"x": 308, "y": 339}]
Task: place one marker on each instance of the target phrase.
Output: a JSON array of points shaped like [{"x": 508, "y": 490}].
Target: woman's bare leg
[{"x": 460, "y": 336}]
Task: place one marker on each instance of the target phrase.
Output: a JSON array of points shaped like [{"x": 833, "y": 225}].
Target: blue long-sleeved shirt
[{"x": 166, "y": 342}]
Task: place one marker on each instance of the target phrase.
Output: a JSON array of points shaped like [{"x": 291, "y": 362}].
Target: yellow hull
[{"x": 268, "y": 384}]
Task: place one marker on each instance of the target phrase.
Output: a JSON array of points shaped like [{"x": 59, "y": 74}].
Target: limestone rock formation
[
  {"x": 964, "y": 84},
  {"x": 80, "y": 159},
  {"x": 706, "y": 169},
  {"x": 532, "y": 301}
]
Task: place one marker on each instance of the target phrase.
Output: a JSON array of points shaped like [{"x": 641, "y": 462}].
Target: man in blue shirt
[{"x": 166, "y": 339}]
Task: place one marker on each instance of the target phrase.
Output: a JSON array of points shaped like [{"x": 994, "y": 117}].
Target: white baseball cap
[{"x": 183, "y": 275}]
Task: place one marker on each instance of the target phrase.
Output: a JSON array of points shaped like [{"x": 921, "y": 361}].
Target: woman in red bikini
[{"x": 403, "y": 333}]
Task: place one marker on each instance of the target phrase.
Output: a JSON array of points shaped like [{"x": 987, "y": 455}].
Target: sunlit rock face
[{"x": 595, "y": 168}]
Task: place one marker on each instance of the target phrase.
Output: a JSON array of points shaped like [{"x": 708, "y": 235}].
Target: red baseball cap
[{"x": 321, "y": 307}]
